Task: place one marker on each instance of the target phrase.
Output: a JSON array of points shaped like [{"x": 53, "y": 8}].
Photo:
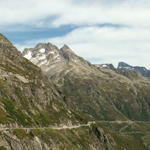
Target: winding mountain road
[{"x": 72, "y": 126}]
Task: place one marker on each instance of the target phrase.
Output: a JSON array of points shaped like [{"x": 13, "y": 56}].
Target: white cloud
[
  {"x": 36, "y": 12},
  {"x": 110, "y": 44},
  {"x": 29, "y": 11},
  {"x": 125, "y": 13},
  {"x": 107, "y": 45}
]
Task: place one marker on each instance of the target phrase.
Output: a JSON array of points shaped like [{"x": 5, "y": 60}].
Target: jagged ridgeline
[
  {"x": 36, "y": 114},
  {"x": 103, "y": 93}
]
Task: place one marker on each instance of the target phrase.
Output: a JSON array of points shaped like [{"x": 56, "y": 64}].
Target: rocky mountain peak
[
  {"x": 66, "y": 49},
  {"x": 54, "y": 61},
  {"x": 69, "y": 55},
  {"x": 46, "y": 46},
  {"x": 41, "y": 48},
  {"x": 44, "y": 55},
  {"x": 8, "y": 52},
  {"x": 47, "y": 55},
  {"x": 124, "y": 65},
  {"x": 41, "y": 52}
]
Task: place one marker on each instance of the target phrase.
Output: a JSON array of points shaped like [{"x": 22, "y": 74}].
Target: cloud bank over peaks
[
  {"x": 63, "y": 12},
  {"x": 106, "y": 45},
  {"x": 104, "y": 31}
]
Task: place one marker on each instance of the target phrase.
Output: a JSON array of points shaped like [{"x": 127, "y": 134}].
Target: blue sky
[
  {"x": 102, "y": 31},
  {"x": 28, "y": 33}
]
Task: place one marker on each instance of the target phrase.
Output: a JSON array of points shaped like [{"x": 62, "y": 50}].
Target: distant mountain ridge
[
  {"x": 109, "y": 66},
  {"x": 122, "y": 66}
]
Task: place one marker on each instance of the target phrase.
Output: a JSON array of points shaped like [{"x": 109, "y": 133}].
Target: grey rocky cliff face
[
  {"x": 44, "y": 55},
  {"x": 54, "y": 61},
  {"x": 49, "y": 55}
]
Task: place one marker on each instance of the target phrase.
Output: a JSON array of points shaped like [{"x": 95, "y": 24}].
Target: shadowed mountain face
[{"x": 100, "y": 92}]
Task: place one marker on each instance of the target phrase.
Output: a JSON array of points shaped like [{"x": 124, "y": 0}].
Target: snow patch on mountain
[
  {"x": 42, "y": 50},
  {"x": 28, "y": 55}
]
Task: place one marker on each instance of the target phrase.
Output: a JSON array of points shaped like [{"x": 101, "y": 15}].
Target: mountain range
[
  {"x": 124, "y": 68},
  {"x": 52, "y": 99},
  {"x": 91, "y": 89}
]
